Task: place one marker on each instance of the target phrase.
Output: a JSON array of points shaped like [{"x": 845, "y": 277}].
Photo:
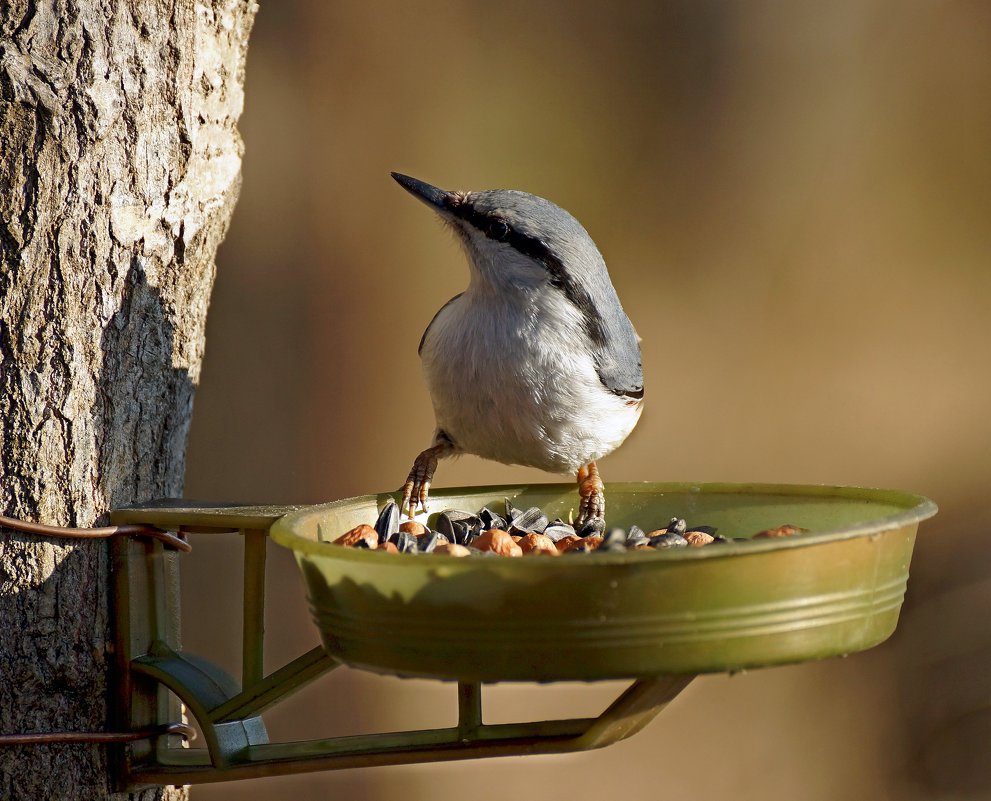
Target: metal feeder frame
[{"x": 155, "y": 678}]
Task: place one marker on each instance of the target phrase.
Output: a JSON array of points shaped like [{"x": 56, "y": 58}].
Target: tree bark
[{"x": 119, "y": 172}]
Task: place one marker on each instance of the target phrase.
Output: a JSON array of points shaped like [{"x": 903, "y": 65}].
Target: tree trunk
[{"x": 120, "y": 168}]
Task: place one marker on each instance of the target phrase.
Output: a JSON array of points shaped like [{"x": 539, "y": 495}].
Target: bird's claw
[
  {"x": 591, "y": 493},
  {"x": 417, "y": 486}
]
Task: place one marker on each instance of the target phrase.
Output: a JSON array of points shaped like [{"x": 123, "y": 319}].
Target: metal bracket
[{"x": 154, "y": 675}]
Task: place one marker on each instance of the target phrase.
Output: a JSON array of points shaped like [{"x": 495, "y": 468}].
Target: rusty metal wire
[
  {"x": 129, "y": 530},
  {"x": 181, "y": 729}
]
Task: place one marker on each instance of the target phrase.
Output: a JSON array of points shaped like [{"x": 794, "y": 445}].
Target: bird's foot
[
  {"x": 591, "y": 494},
  {"x": 417, "y": 486}
]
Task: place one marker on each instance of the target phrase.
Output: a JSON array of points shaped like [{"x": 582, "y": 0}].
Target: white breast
[{"x": 512, "y": 379}]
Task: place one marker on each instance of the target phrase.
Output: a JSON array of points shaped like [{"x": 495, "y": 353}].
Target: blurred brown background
[{"x": 794, "y": 202}]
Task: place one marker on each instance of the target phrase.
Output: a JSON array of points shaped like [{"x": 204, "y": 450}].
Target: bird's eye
[{"x": 497, "y": 230}]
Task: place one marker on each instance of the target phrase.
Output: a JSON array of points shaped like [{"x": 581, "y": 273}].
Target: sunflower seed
[
  {"x": 428, "y": 542},
  {"x": 511, "y": 512},
  {"x": 592, "y": 526},
  {"x": 461, "y": 516},
  {"x": 614, "y": 541},
  {"x": 491, "y": 520},
  {"x": 668, "y": 540},
  {"x": 615, "y": 536},
  {"x": 444, "y": 525},
  {"x": 460, "y": 533},
  {"x": 388, "y": 521},
  {"x": 634, "y": 534},
  {"x": 404, "y": 542},
  {"x": 456, "y": 525},
  {"x": 710, "y": 530},
  {"x": 558, "y": 531},
  {"x": 532, "y": 521}
]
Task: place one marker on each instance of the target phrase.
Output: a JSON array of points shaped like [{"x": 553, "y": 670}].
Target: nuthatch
[{"x": 535, "y": 363}]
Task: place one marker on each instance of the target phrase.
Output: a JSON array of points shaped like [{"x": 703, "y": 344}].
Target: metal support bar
[
  {"x": 633, "y": 710},
  {"x": 272, "y": 689},
  {"x": 624, "y": 717},
  {"x": 469, "y": 709},
  {"x": 152, "y": 672},
  {"x": 253, "y": 637}
]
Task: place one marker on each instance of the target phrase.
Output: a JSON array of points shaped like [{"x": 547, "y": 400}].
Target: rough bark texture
[{"x": 119, "y": 172}]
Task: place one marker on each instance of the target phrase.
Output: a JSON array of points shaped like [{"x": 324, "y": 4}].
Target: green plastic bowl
[{"x": 723, "y": 607}]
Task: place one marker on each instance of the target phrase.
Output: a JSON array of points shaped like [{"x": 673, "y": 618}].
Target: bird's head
[{"x": 514, "y": 240}]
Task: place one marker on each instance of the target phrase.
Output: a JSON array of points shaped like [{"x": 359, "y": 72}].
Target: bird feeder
[{"x": 657, "y": 618}]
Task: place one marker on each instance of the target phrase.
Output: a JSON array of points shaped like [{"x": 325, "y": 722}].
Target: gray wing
[
  {"x": 617, "y": 347},
  {"x": 619, "y": 365},
  {"x": 610, "y": 332}
]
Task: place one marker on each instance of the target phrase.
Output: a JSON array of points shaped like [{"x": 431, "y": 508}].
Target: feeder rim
[{"x": 916, "y": 509}]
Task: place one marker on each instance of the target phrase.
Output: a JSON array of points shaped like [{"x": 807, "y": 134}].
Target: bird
[{"x": 535, "y": 363}]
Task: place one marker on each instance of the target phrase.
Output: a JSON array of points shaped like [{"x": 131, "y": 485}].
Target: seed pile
[{"x": 519, "y": 532}]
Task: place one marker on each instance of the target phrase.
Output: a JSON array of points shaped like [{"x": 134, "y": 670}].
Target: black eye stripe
[{"x": 494, "y": 227}]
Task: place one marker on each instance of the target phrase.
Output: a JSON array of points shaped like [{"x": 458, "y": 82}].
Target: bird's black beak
[{"x": 437, "y": 199}]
